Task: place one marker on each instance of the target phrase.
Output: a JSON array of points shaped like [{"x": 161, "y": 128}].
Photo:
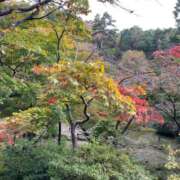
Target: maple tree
[
  {"x": 37, "y": 120},
  {"x": 26, "y": 45},
  {"x": 173, "y": 52},
  {"x": 15, "y": 94},
  {"x": 160, "y": 77},
  {"x": 166, "y": 95},
  {"x": 35, "y": 10},
  {"x": 41, "y": 41},
  {"x": 73, "y": 83},
  {"x": 145, "y": 113}
]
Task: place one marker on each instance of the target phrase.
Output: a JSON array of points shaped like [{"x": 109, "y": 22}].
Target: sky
[{"x": 149, "y": 14}]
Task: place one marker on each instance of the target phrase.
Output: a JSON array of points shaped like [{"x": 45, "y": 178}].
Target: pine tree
[{"x": 177, "y": 14}]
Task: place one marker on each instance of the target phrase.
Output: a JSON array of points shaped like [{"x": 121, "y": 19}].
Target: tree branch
[
  {"x": 86, "y": 114},
  {"x": 23, "y": 9},
  {"x": 164, "y": 111},
  {"x": 59, "y": 37},
  {"x": 69, "y": 113},
  {"x": 130, "y": 77},
  {"x": 90, "y": 55},
  {"x": 128, "y": 124}
]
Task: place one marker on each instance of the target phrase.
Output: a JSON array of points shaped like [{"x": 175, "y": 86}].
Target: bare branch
[
  {"x": 90, "y": 55},
  {"x": 164, "y": 111},
  {"x": 132, "y": 76},
  {"x": 30, "y": 17},
  {"x": 59, "y": 37}
]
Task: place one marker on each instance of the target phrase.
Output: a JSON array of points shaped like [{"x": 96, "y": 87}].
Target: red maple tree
[
  {"x": 173, "y": 52},
  {"x": 144, "y": 112}
]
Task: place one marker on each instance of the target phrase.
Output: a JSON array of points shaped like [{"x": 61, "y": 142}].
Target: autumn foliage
[
  {"x": 6, "y": 137},
  {"x": 173, "y": 52},
  {"x": 144, "y": 112},
  {"x": 52, "y": 100},
  {"x": 80, "y": 78}
]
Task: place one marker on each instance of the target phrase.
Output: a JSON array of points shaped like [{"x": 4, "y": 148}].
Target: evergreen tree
[{"x": 177, "y": 14}]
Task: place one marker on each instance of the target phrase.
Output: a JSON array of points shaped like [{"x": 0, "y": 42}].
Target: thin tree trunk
[
  {"x": 128, "y": 124},
  {"x": 14, "y": 140},
  {"x": 117, "y": 125},
  {"x": 73, "y": 135},
  {"x": 175, "y": 116},
  {"x": 178, "y": 125},
  {"x": 72, "y": 127},
  {"x": 59, "y": 133}
]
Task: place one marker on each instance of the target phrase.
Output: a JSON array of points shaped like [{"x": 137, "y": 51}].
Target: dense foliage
[
  {"x": 61, "y": 76},
  {"x": 90, "y": 162}
]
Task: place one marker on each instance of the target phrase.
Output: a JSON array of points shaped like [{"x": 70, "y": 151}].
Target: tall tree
[
  {"x": 177, "y": 14},
  {"x": 166, "y": 95},
  {"x": 105, "y": 36}
]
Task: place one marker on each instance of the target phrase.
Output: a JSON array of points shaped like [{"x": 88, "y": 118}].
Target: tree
[
  {"x": 176, "y": 13},
  {"x": 16, "y": 95},
  {"x": 24, "y": 47},
  {"x": 166, "y": 95},
  {"x": 134, "y": 68},
  {"x": 132, "y": 39},
  {"x": 73, "y": 84},
  {"x": 105, "y": 36},
  {"x": 43, "y": 8},
  {"x": 30, "y": 40},
  {"x": 35, "y": 42},
  {"x": 148, "y": 41},
  {"x": 145, "y": 113},
  {"x": 39, "y": 121}
]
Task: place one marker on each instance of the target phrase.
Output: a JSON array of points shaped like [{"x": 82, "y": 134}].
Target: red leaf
[{"x": 52, "y": 100}]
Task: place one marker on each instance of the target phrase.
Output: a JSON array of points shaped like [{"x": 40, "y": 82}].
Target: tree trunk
[
  {"x": 175, "y": 116},
  {"x": 117, "y": 125},
  {"x": 73, "y": 135},
  {"x": 72, "y": 126},
  {"x": 59, "y": 133},
  {"x": 128, "y": 124},
  {"x": 178, "y": 125}
]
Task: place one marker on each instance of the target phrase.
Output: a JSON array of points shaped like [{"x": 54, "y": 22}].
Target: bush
[
  {"x": 50, "y": 161},
  {"x": 133, "y": 55},
  {"x": 24, "y": 162},
  {"x": 113, "y": 163},
  {"x": 173, "y": 166},
  {"x": 103, "y": 129}
]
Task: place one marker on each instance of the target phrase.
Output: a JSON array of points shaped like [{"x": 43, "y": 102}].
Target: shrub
[
  {"x": 104, "y": 129},
  {"x": 24, "y": 162},
  {"x": 133, "y": 55},
  {"x": 49, "y": 161},
  {"x": 173, "y": 166}
]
